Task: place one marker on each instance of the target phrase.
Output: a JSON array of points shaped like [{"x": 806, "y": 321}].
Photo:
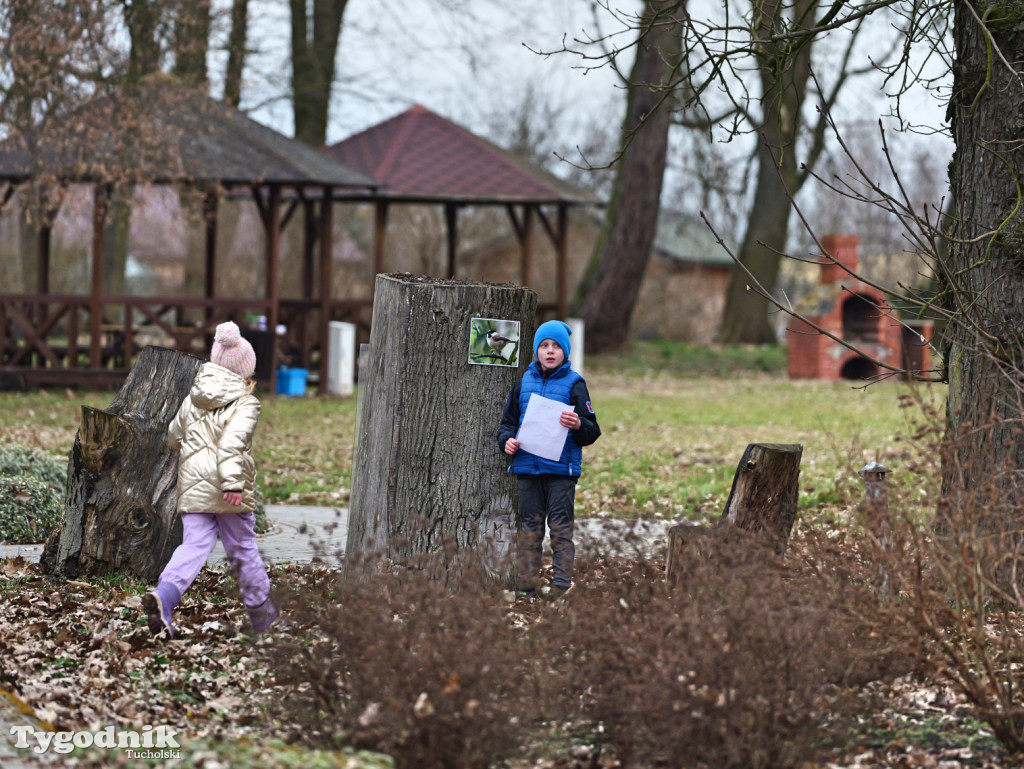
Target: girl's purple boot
[
  {"x": 263, "y": 616},
  {"x": 158, "y": 604}
]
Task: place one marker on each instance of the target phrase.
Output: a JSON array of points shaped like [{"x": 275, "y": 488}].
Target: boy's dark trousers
[{"x": 549, "y": 498}]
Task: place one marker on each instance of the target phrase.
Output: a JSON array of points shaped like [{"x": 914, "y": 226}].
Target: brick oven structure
[{"x": 857, "y": 313}]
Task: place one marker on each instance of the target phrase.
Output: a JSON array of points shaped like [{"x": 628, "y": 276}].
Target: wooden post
[
  {"x": 100, "y": 203},
  {"x": 428, "y": 474},
  {"x": 326, "y": 225},
  {"x": 273, "y": 274},
  {"x": 119, "y": 506},
  {"x": 451, "y": 217},
  {"x": 211, "y": 203},
  {"x": 380, "y": 230},
  {"x": 43, "y": 247},
  {"x": 526, "y": 244},
  {"x": 762, "y": 504}
]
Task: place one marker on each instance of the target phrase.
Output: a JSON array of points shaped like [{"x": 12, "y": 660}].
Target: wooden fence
[{"x": 74, "y": 339}]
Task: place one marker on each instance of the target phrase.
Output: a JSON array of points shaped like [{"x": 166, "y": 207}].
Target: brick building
[{"x": 857, "y": 313}]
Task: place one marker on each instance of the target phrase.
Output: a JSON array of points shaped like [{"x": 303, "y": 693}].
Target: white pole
[
  {"x": 341, "y": 358},
  {"x": 576, "y": 340}
]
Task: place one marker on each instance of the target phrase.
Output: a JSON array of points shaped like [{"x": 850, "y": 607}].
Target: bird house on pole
[{"x": 875, "y": 491}]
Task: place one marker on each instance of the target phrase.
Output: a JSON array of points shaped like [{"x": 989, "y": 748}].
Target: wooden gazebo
[
  {"x": 419, "y": 157},
  {"x": 163, "y": 133}
]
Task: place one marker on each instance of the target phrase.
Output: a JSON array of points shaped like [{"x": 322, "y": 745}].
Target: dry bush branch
[
  {"x": 748, "y": 664},
  {"x": 956, "y": 581}
]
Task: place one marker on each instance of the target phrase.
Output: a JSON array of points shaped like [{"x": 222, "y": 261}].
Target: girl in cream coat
[{"x": 213, "y": 430}]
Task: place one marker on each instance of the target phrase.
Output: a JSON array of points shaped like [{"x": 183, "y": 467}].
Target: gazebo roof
[
  {"x": 164, "y": 132},
  {"x": 419, "y": 156}
]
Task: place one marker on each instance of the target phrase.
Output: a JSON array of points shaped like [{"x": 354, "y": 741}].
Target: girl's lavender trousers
[{"x": 237, "y": 532}]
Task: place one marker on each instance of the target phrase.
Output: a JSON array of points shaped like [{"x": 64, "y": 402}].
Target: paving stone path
[{"x": 300, "y": 533}]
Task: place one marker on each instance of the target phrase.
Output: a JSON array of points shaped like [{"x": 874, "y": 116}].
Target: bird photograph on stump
[{"x": 494, "y": 342}]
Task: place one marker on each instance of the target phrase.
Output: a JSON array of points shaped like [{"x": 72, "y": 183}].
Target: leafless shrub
[
  {"x": 741, "y": 665},
  {"x": 965, "y": 585},
  {"x": 403, "y": 664},
  {"x": 745, "y": 665},
  {"x": 949, "y": 584}
]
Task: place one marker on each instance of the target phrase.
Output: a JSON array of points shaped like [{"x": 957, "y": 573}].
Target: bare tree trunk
[
  {"x": 143, "y": 20},
  {"x": 313, "y": 65},
  {"x": 784, "y": 77},
  {"x": 19, "y": 101},
  {"x": 612, "y": 283},
  {"x": 192, "y": 41},
  {"x": 745, "y": 318},
  {"x": 115, "y": 242},
  {"x": 428, "y": 474},
  {"x": 119, "y": 508},
  {"x": 237, "y": 42},
  {"x": 985, "y": 342}
]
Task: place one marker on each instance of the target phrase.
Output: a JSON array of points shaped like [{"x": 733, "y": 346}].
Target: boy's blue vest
[{"x": 556, "y": 386}]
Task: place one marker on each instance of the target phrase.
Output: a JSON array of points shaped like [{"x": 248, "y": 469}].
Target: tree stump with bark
[
  {"x": 428, "y": 477},
  {"x": 119, "y": 506},
  {"x": 760, "y": 511}
]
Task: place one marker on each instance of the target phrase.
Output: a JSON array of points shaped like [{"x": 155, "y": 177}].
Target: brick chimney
[{"x": 842, "y": 248}]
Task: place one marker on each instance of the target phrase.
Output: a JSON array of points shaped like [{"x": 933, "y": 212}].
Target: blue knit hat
[{"x": 556, "y": 330}]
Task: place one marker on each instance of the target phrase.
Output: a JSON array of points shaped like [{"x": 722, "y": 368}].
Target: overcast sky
[
  {"x": 462, "y": 64},
  {"x": 398, "y": 52},
  {"x": 474, "y": 63}
]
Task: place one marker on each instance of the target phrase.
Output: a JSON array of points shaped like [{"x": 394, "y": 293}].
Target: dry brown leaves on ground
[{"x": 80, "y": 656}]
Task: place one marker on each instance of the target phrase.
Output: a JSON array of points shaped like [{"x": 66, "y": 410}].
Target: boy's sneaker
[
  {"x": 529, "y": 593},
  {"x": 263, "y": 616},
  {"x": 158, "y": 614},
  {"x": 557, "y": 591}
]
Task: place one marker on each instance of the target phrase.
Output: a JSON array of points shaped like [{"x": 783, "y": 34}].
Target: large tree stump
[
  {"x": 761, "y": 509},
  {"x": 765, "y": 491},
  {"x": 428, "y": 474},
  {"x": 119, "y": 506}
]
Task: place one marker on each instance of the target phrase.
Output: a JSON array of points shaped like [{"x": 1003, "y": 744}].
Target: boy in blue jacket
[{"x": 547, "y": 489}]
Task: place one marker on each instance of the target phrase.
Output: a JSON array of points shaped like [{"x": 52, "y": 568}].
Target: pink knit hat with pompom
[{"x": 233, "y": 352}]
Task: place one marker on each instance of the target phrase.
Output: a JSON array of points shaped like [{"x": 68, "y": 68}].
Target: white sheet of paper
[{"x": 540, "y": 433}]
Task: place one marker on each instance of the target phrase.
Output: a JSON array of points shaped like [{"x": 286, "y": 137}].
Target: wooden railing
[{"x": 70, "y": 339}]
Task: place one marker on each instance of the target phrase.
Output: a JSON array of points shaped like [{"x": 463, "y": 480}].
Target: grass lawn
[
  {"x": 675, "y": 422},
  {"x": 670, "y": 448}
]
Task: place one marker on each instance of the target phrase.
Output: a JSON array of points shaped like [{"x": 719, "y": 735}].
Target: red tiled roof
[{"x": 422, "y": 156}]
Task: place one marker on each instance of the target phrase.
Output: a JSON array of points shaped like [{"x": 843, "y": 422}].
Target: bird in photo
[{"x": 496, "y": 341}]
